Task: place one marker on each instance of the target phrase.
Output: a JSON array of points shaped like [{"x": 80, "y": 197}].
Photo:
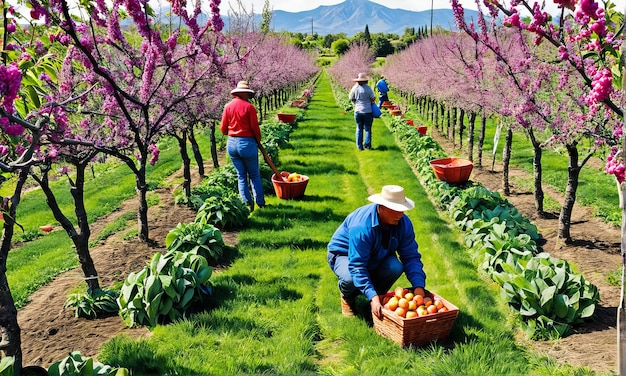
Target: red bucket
[
  {"x": 287, "y": 118},
  {"x": 287, "y": 190},
  {"x": 452, "y": 170}
]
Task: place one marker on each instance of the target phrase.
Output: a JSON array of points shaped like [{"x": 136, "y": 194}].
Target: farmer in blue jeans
[
  {"x": 241, "y": 124},
  {"x": 371, "y": 249},
  {"x": 383, "y": 89},
  {"x": 362, "y": 96}
]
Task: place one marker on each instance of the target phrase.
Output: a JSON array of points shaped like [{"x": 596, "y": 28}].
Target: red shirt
[{"x": 239, "y": 119}]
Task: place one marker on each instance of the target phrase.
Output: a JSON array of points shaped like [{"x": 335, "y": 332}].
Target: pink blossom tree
[
  {"x": 584, "y": 101},
  {"x": 133, "y": 80}
]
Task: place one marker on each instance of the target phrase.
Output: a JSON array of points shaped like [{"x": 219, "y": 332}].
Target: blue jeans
[
  {"x": 383, "y": 277},
  {"x": 363, "y": 122},
  {"x": 244, "y": 153},
  {"x": 382, "y": 98}
]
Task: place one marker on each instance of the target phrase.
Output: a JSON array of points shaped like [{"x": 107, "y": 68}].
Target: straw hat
[
  {"x": 242, "y": 87},
  {"x": 361, "y": 78},
  {"x": 392, "y": 197}
]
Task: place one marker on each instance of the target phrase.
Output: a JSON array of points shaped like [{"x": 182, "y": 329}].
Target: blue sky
[{"x": 414, "y": 5}]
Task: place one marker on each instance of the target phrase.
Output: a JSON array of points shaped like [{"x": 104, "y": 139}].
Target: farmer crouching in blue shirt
[{"x": 364, "y": 250}]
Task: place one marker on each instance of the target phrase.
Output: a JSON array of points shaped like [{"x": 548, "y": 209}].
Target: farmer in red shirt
[{"x": 241, "y": 124}]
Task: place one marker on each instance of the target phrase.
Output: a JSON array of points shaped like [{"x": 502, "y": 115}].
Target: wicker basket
[
  {"x": 289, "y": 190},
  {"x": 417, "y": 331}
]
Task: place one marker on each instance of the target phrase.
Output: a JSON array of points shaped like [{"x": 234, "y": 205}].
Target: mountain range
[{"x": 351, "y": 16}]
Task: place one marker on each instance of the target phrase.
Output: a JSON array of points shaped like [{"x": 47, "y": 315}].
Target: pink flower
[
  {"x": 569, "y": 4},
  {"x": 513, "y": 20},
  {"x": 10, "y": 81}
]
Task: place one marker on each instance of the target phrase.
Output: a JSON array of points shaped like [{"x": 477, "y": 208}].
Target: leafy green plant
[
  {"x": 548, "y": 295},
  {"x": 91, "y": 304},
  {"x": 276, "y": 132},
  {"x": 225, "y": 176},
  {"x": 6, "y": 366},
  {"x": 199, "y": 238},
  {"x": 165, "y": 290},
  {"x": 77, "y": 365},
  {"x": 614, "y": 278},
  {"x": 225, "y": 212},
  {"x": 216, "y": 184}
]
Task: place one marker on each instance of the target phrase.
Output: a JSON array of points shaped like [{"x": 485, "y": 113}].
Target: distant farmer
[
  {"x": 241, "y": 124},
  {"x": 362, "y": 96},
  {"x": 383, "y": 89},
  {"x": 364, "y": 250}
]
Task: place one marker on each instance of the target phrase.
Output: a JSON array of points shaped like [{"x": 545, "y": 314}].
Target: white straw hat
[
  {"x": 361, "y": 78},
  {"x": 392, "y": 197},
  {"x": 242, "y": 87}
]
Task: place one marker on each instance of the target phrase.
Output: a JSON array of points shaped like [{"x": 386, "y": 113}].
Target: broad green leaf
[{"x": 561, "y": 305}]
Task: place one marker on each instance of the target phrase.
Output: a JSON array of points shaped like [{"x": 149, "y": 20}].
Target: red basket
[
  {"x": 422, "y": 129},
  {"x": 287, "y": 118},
  {"x": 410, "y": 122},
  {"x": 417, "y": 331},
  {"x": 452, "y": 170},
  {"x": 289, "y": 190}
]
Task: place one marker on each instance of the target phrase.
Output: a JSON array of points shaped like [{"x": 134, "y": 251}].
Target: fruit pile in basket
[
  {"x": 407, "y": 303},
  {"x": 294, "y": 177}
]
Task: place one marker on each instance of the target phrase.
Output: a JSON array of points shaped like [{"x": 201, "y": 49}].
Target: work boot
[{"x": 347, "y": 307}]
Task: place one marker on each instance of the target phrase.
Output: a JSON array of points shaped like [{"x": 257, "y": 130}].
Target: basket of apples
[
  {"x": 412, "y": 319},
  {"x": 290, "y": 185}
]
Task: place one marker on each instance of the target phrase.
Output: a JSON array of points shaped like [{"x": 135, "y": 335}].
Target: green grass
[{"x": 277, "y": 305}]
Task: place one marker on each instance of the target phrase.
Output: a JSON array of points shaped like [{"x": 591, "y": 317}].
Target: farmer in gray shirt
[{"x": 362, "y": 96}]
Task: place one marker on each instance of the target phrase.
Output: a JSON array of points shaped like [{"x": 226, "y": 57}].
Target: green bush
[
  {"x": 76, "y": 364},
  {"x": 224, "y": 212},
  {"x": 165, "y": 290},
  {"x": 92, "y": 304},
  {"x": 198, "y": 238}
]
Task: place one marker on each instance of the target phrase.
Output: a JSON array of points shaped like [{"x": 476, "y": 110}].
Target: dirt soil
[{"x": 50, "y": 333}]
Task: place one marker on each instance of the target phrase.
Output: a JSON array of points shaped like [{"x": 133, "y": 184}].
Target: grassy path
[{"x": 278, "y": 306}]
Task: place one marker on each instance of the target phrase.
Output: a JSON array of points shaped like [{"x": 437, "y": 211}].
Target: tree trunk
[
  {"x": 436, "y": 115},
  {"x": 11, "y": 341},
  {"x": 453, "y": 127},
  {"x": 197, "y": 155},
  {"x": 470, "y": 136},
  {"x": 461, "y": 127},
  {"x": 537, "y": 168},
  {"x": 184, "y": 155},
  {"x": 80, "y": 239},
  {"x": 481, "y": 140},
  {"x": 142, "y": 208},
  {"x": 216, "y": 161},
  {"x": 506, "y": 158},
  {"x": 573, "y": 172}
]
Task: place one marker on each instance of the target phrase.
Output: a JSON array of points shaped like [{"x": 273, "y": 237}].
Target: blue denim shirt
[
  {"x": 360, "y": 238},
  {"x": 382, "y": 87}
]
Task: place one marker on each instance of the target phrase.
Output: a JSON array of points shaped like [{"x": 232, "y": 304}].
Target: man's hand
[
  {"x": 420, "y": 291},
  {"x": 377, "y": 308}
]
